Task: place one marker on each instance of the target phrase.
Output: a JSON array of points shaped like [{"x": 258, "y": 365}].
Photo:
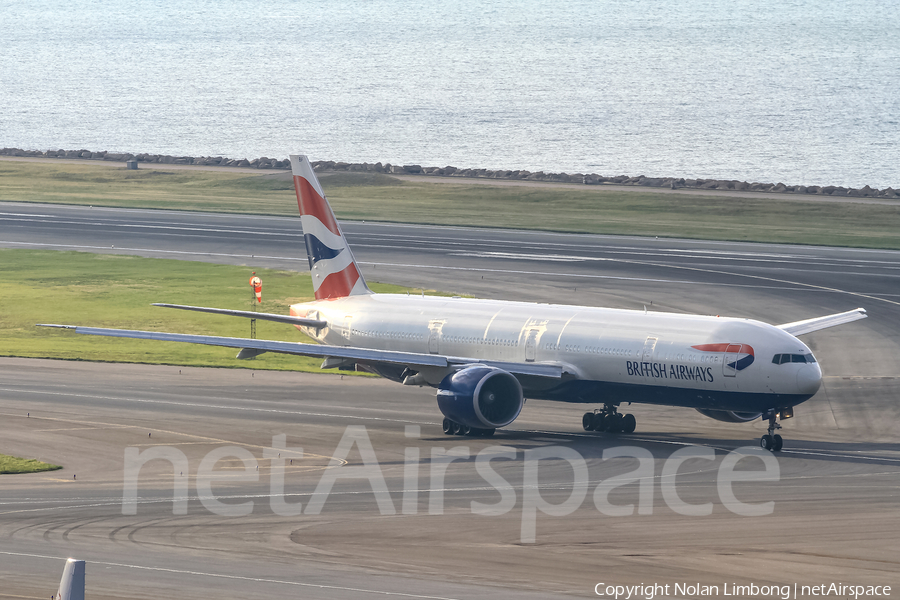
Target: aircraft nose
[{"x": 809, "y": 379}]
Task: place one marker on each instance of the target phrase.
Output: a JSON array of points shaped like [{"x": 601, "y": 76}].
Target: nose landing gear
[
  {"x": 608, "y": 419},
  {"x": 772, "y": 441}
]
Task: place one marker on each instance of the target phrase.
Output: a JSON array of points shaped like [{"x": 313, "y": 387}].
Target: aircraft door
[
  {"x": 531, "y": 344},
  {"x": 729, "y": 360},
  {"x": 532, "y": 330},
  {"x": 434, "y": 336},
  {"x": 649, "y": 348},
  {"x": 345, "y": 332}
]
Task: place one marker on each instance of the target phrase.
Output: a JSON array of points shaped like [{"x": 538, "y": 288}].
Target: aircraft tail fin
[
  {"x": 71, "y": 586},
  {"x": 331, "y": 263}
]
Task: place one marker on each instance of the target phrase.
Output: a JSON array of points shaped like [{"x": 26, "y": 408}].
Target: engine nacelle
[
  {"x": 729, "y": 416},
  {"x": 481, "y": 396}
]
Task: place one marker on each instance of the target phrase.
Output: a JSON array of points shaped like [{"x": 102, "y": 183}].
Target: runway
[{"x": 834, "y": 517}]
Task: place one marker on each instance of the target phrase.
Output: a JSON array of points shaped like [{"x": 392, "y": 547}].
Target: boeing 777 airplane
[{"x": 485, "y": 357}]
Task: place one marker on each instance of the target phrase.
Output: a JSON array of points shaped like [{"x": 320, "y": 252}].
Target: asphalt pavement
[{"x": 834, "y": 513}]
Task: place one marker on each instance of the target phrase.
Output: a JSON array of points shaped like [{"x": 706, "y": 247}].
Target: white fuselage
[{"x": 608, "y": 354}]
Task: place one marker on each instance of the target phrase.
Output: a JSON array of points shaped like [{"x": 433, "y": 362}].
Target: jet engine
[
  {"x": 729, "y": 416},
  {"x": 480, "y": 396}
]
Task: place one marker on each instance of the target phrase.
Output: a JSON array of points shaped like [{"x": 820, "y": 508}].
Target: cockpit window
[{"x": 780, "y": 359}]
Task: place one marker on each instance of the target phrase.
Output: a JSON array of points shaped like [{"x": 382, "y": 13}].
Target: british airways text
[{"x": 664, "y": 371}]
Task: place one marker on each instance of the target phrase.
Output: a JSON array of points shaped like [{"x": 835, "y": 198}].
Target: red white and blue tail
[{"x": 331, "y": 263}]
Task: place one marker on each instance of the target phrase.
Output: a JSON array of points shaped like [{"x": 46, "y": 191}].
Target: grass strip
[
  {"x": 10, "y": 465},
  {"x": 103, "y": 290},
  {"x": 375, "y": 197}
]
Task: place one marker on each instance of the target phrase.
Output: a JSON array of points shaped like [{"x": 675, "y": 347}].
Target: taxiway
[{"x": 835, "y": 514}]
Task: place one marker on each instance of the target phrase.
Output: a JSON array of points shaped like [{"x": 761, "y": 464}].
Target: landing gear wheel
[
  {"x": 614, "y": 423},
  {"x": 453, "y": 428},
  {"x": 772, "y": 441},
  {"x": 608, "y": 419}
]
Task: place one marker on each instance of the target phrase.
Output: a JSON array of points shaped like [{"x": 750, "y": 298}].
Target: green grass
[
  {"x": 10, "y": 465},
  {"x": 112, "y": 185},
  {"x": 375, "y": 197},
  {"x": 100, "y": 290},
  {"x": 628, "y": 213}
]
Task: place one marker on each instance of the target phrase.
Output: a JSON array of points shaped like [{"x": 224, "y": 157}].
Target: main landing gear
[
  {"x": 454, "y": 428},
  {"x": 608, "y": 419},
  {"x": 772, "y": 441}
]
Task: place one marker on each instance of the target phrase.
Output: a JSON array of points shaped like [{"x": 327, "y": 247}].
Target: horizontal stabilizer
[
  {"x": 249, "y": 314},
  {"x": 810, "y": 325},
  {"x": 409, "y": 359}
]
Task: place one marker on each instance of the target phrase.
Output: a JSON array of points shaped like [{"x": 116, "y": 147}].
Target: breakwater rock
[{"x": 579, "y": 178}]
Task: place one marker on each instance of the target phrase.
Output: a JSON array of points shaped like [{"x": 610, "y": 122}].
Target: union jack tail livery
[{"x": 331, "y": 263}]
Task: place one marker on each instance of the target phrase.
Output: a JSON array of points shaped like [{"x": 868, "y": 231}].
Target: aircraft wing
[
  {"x": 810, "y": 325},
  {"x": 409, "y": 359}
]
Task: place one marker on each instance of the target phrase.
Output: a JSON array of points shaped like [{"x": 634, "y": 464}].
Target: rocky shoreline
[{"x": 581, "y": 178}]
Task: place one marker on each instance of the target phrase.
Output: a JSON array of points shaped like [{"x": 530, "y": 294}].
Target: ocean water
[{"x": 798, "y": 91}]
